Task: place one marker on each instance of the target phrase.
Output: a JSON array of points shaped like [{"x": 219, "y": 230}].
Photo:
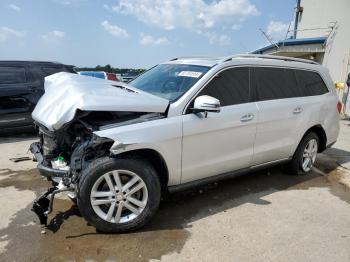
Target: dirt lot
[{"x": 263, "y": 216}]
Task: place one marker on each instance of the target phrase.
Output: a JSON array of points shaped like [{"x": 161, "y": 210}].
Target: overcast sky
[{"x": 136, "y": 33}]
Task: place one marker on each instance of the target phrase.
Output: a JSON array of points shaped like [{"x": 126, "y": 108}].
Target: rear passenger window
[
  {"x": 12, "y": 75},
  {"x": 231, "y": 87},
  {"x": 310, "y": 83},
  {"x": 275, "y": 83}
]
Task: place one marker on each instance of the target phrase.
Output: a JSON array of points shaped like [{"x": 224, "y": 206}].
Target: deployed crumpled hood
[{"x": 66, "y": 92}]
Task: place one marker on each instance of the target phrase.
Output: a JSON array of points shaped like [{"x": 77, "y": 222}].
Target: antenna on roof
[{"x": 268, "y": 38}]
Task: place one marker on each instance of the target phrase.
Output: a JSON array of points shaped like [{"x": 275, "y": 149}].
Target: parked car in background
[
  {"x": 97, "y": 74},
  {"x": 129, "y": 76},
  {"x": 21, "y": 86},
  {"x": 119, "y": 76},
  {"x": 112, "y": 76},
  {"x": 100, "y": 74},
  {"x": 185, "y": 122}
]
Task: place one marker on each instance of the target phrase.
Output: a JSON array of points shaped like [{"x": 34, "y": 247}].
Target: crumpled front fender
[{"x": 163, "y": 136}]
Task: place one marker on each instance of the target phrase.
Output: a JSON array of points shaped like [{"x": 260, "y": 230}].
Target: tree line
[{"x": 110, "y": 69}]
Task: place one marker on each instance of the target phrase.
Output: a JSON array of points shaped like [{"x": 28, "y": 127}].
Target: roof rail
[
  {"x": 284, "y": 58},
  {"x": 197, "y": 57}
]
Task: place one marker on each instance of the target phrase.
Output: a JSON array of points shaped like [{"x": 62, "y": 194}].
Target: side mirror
[{"x": 206, "y": 104}]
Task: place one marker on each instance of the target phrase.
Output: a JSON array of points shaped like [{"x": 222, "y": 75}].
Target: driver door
[{"x": 224, "y": 141}]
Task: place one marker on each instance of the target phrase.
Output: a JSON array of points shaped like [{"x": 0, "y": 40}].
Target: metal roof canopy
[{"x": 310, "y": 44}]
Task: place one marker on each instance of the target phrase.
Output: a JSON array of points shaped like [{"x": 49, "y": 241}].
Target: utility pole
[{"x": 298, "y": 11}]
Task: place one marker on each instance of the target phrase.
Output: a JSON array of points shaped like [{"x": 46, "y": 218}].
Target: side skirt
[{"x": 225, "y": 176}]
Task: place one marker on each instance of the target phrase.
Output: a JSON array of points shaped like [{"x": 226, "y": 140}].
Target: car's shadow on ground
[
  {"x": 332, "y": 158},
  {"x": 179, "y": 210},
  {"x": 56, "y": 222}
]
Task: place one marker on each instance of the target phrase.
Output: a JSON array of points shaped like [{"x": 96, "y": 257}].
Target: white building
[
  {"x": 321, "y": 33},
  {"x": 332, "y": 20}
]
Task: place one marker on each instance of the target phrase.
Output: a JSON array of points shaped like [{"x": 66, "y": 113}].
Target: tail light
[{"x": 339, "y": 107}]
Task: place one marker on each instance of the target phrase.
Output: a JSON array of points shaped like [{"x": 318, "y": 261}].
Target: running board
[{"x": 224, "y": 176}]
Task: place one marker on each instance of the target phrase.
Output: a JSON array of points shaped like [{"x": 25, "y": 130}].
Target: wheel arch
[
  {"x": 320, "y": 132},
  {"x": 155, "y": 159}
]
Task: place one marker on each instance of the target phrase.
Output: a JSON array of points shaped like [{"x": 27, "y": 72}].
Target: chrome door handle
[
  {"x": 297, "y": 110},
  {"x": 247, "y": 117}
]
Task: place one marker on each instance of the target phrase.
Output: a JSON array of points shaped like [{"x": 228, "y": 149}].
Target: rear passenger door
[
  {"x": 223, "y": 141},
  {"x": 281, "y": 109},
  {"x": 16, "y": 97}
]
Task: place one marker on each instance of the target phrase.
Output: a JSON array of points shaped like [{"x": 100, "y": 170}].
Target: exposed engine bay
[{"x": 77, "y": 138}]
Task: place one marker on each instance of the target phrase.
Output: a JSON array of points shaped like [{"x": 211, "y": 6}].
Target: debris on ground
[{"x": 20, "y": 159}]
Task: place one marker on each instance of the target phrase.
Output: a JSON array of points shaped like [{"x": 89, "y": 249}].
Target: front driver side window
[{"x": 231, "y": 87}]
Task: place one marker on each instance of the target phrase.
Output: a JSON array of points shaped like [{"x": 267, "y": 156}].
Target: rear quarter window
[
  {"x": 12, "y": 75},
  {"x": 311, "y": 83}
]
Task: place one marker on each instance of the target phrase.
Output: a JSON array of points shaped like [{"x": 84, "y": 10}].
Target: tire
[
  {"x": 93, "y": 183},
  {"x": 295, "y": 167}
]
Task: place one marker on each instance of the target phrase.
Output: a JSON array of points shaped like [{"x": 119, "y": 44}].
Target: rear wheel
[
  {"x": 305, "y": 156},
  {"x": 118, "y": 195}
]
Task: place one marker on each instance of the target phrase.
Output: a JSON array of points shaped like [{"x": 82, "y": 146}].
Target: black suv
[{"x": 21, "y": 86}]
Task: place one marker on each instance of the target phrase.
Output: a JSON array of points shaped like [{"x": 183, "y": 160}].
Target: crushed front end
[
  {"x": 67, "y": 115},
  {"x": 61, "y": 157}
]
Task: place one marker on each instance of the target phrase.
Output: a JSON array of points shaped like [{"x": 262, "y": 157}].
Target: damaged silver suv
[{"x": 117, "y": 148}]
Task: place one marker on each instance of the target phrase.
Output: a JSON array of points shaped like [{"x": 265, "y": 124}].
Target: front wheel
[
  {"x": 305, "y": 156},
  {"x": 118, "y": 195}
]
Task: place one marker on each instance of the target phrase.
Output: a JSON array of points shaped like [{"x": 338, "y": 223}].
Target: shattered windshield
[{"x": 169, "y": 81}]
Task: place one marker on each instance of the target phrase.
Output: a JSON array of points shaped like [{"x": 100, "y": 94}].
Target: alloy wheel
[
  {"x": 309, "y": 155},
  {"x": 119, "y": 196}
]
